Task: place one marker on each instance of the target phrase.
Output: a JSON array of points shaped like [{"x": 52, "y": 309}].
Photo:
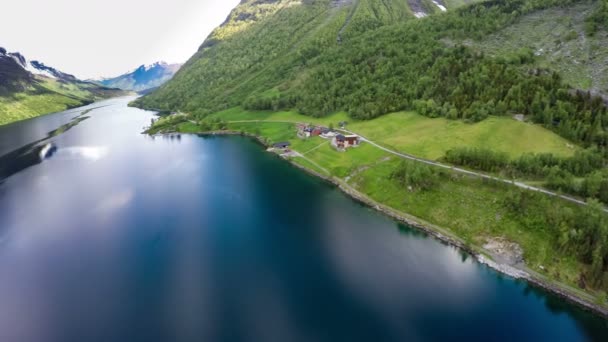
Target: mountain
[
  {"x": 281, "y": 36},
  {"x": 372, "y": 57},
  {"x": 31, "y": 88},
  {"x": 143, "y": 78},
  {"x": 14, "y": 75}
]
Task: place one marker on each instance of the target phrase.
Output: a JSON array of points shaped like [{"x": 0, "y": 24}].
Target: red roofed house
[{"x": 343, "y": 142}]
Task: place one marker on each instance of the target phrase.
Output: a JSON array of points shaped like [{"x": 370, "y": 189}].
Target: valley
[
  {"x": 207, "y": 214},
  {"x": 30, "y": 88},
  {"x": 320, "y": 170},
  {"x": 448, "y": 87}
]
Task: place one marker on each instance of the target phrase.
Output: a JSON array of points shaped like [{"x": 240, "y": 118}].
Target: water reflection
[
  {"x": 36, "y": 152},
  {"x": 124, "y": 237},
  {"x": 92, "y": 153}
]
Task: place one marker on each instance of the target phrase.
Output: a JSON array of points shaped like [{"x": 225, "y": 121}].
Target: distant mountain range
[
  {"x": 16, "y": 72},
  {"x": 31, "y": 88},
  {"x": 143, "y": 78}
]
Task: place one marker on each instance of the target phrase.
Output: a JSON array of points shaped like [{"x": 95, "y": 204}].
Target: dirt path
[
  {"x": 300, "y": 155},
  {"x": 471, "y": 173},
  {"x": 448, "y": 167},
  {"x": 314, "y": 148}
]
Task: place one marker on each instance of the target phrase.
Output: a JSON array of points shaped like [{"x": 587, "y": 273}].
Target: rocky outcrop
[
  {"x": 504, "y": 251},
  {"x": 13, "y": 76}
]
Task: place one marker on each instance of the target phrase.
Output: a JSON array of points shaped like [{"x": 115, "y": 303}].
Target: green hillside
[
  {"x": 470, "y": 87},
  {"x": 49, "y": 96},
  {"x": 372, "y": 57},
  {"x": 266, "y": 45},
  {"x": 427, "y": 137},
  {"x": 368, "y": 58}
]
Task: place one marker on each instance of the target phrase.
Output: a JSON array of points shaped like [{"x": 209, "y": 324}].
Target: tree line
[
  {"x": 584, "y": 174},
  {"x": 579, "y": 231}
]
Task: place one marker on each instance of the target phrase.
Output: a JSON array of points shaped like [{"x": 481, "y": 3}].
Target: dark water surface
[{"x": 121, "y": 237}]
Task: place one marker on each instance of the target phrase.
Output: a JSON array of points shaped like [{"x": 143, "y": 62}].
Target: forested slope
[
  {"x": 286, "y": 54},
  {"x": 368, "y": 58},
  {"x": 264, "y": 44}
]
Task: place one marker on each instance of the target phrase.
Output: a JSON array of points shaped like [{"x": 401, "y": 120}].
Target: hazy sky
[{"x": 93, "y": 38}]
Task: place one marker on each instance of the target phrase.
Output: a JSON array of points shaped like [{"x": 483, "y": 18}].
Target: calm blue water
[{"x": 122, "y": 237}]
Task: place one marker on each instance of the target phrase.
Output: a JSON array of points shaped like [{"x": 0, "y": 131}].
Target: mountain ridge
[
  {"x": 142, "y": 78},
  {"x": 32, "y": 88}
]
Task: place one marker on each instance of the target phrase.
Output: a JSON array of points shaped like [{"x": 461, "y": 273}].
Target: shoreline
[{"x": 478, "y": 253}]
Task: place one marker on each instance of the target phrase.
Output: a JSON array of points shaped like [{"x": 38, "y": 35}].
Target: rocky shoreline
[{"x": 481, "y": 255}]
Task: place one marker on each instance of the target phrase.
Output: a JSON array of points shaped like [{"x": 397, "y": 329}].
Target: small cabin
[{"x": 282, "y": 145}]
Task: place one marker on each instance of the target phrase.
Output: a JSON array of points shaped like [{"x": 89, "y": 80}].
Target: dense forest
[
  {"x": 369, "y": 60},
  {"x": 289, "y": 58}
]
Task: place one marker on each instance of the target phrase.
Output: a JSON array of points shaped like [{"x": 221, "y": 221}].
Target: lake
[{"x": 117, "y": 236}]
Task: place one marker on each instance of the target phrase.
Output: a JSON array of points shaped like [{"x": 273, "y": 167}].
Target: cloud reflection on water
[
  {"x": 376, "y": 261},
  {"x": 92, "y": 153}
]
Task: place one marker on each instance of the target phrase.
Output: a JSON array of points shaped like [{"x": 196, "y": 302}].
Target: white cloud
[{"x": 95, "y": 38}]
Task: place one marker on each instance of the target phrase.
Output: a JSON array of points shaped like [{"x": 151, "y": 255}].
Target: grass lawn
[
  {"x": 342, "y": 164},
  {"x": 431, "y": 138},
  {"x": 274, "y": 131},
  {"x": 307, "y": 164},
  {"x": 188, "y": 127},
  {"x": 319, "y": 150}
]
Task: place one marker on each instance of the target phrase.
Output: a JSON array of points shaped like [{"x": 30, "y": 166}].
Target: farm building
[
  {"x": 345, "y": 141},
  {"x": 282, "y": 145},
  {"x": 307, "y": 131}
]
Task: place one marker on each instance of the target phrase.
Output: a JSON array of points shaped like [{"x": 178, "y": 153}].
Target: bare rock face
[{"x": 505, "y": 251}]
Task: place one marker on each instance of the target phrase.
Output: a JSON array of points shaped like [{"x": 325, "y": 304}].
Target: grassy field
[
  {"x": 320, "y": 151},
  {"x": 273, "y": 131},
  {"x": 25, "y": 106},
  {"x": 343, "y": 164},
  {"x": 49, "y": 96},
  {"x": 431, "y": 138}
]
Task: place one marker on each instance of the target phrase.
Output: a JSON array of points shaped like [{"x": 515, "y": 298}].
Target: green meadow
[
  {"x": 430, "y": 138},
  {"x": 25, "y": 106}
]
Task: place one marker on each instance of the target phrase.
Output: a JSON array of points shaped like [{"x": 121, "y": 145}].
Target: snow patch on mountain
[
  {"x": 441, "y": 7},
  {"x": 41, "y": 72},
  {"x": 143, "y": 77},
  {"x": 35, "y": 67}
]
